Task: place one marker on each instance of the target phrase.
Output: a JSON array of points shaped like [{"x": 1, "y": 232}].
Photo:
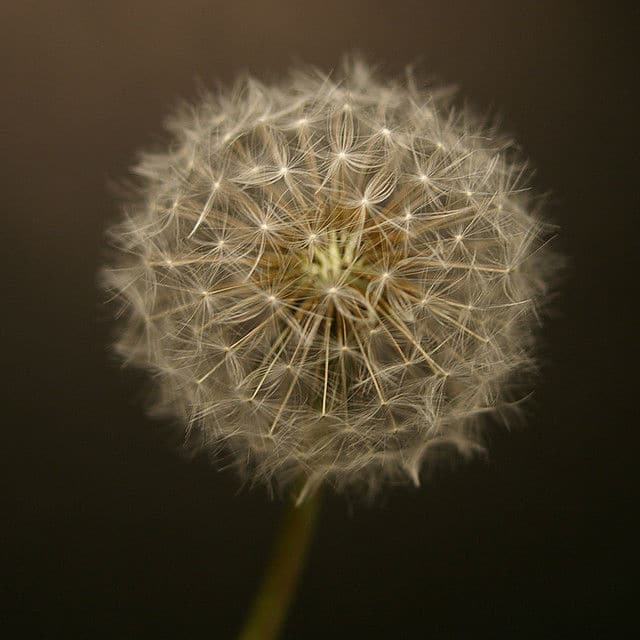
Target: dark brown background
[{"x": 109, "y": 533}]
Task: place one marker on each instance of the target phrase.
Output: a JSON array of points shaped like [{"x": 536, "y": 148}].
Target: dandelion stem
[{"x": 269, "y": 609}]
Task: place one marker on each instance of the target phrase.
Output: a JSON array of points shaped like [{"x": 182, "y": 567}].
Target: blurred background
[{"x": 108, "y": 532}]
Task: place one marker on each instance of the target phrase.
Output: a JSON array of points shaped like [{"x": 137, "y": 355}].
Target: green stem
[{"x": 272, "y": 601}]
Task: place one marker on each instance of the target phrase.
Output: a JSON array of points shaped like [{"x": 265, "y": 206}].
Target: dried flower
[{"x": 331, "y": 277}]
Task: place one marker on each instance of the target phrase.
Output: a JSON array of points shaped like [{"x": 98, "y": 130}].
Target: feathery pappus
[{"x": 333, "y": 278}]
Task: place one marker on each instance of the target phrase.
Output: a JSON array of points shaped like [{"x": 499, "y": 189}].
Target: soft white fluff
[{"x": 332, "y": 278}]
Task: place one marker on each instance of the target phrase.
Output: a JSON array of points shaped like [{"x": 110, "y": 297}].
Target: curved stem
[{"x": 272, "y": 601}]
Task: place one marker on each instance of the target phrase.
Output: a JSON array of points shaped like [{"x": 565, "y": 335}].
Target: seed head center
[{"x": 333, "y": 262}]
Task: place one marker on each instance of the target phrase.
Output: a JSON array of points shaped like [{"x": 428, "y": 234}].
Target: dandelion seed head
[{"x": 331, "y": 290}]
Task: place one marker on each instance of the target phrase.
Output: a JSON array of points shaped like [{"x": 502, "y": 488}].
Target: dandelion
[{"x": 333, "y": 278}]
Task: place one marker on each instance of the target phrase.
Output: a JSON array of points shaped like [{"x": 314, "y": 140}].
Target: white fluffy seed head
[{"x": 333, "y": 278}]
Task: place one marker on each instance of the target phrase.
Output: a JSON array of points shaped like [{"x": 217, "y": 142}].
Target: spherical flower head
[{"x": 333, "y": 278}]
